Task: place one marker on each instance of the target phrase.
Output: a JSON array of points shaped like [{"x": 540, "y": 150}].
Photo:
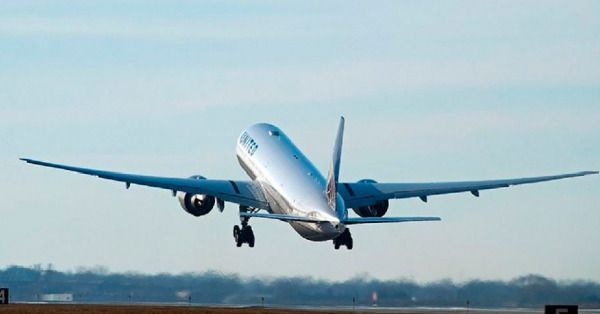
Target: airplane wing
[
  {"x": 246, "y": 193},
  {"x": 365, "y": 194}
]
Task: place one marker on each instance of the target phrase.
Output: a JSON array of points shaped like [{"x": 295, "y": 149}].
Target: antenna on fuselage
[{"x": 334, "y": 168}]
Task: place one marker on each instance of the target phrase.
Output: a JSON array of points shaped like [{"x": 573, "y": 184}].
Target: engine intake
[
  {"x": 377, "y": 209},
  {"x": 196, "y": 204}
]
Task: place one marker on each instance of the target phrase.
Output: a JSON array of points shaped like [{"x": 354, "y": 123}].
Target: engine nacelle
[
  {"x": 375, "y": 210},
  {"x": 196, "y": 204}
]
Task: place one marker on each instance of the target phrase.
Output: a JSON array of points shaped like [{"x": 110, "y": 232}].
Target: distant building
[
  {"x": 57, "y": 297},
  {"x": 374, "y": 298}
]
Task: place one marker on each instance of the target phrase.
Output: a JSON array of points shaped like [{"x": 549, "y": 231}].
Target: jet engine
[
  {"x": 377, "y": 209},
  {"x": 196, "y": 204}
]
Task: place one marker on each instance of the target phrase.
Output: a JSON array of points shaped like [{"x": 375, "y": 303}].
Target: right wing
[
  {"x": 245, "y": 193},
  {"x": 365, "y": 194}
]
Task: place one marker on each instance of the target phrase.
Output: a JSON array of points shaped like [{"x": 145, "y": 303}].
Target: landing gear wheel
[
  {"x": 344, "y": 239},
  {"x": 243, "y": 235},
  {"x": 237, "y": 235},
  {"x": 248, "y": 235}
]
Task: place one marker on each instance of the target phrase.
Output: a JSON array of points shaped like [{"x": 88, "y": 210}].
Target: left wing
[
  {"x": 365, "y": 194},
  {"x": 246, "y": 193}
]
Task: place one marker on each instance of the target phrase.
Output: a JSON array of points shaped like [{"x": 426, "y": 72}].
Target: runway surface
[{"x": 152, "y": 309}]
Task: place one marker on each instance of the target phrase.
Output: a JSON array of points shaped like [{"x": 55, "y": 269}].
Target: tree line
[{"x": 99, "y": 285}]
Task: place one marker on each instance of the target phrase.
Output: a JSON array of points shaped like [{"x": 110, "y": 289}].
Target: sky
[{"x": 431, "y": 91}]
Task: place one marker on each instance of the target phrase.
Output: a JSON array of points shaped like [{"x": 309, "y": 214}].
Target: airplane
[{"x": 288, "y": 187}]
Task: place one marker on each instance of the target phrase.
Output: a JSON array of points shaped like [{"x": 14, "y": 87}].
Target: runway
[{"x": 162, "y": 308}]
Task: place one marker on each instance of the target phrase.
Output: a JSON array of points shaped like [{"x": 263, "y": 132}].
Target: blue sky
[{"x": 431, "y": 91}]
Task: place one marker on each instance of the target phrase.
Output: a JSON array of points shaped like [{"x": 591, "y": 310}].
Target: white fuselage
[{"x": 290, "y": 182}]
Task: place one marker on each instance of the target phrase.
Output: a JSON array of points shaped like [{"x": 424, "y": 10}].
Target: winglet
[{"x": 334, "y": 167}]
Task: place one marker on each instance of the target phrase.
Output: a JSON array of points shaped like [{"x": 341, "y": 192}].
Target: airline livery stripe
[
  {"x": 350, "y": 191},
  {"x": 235, "y": 187}
]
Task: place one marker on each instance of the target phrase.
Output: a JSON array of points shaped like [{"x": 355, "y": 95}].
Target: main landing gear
[
  {"x": 344, "y": 239},
  {"x": 244, "y": 234}
]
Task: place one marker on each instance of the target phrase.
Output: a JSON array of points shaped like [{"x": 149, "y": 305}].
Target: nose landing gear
[
  {"x": 244, "y": 234},
  {"x": 343, "y": 239}
]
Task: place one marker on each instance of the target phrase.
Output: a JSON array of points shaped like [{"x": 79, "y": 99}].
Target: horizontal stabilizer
[
  {"x": 374, "y": 220},
  {"x": 281, "y": 217}
]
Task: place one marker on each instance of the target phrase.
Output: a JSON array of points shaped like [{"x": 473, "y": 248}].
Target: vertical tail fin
[{"x": 334, "y": 168}]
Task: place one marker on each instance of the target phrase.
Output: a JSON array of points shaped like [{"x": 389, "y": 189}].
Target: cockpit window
[{"x": 274, "y": 133}]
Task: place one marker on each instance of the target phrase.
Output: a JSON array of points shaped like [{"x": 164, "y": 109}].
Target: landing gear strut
[
  {"x": 344, "y": 239},
  {"x": 244, "y": 234}
]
